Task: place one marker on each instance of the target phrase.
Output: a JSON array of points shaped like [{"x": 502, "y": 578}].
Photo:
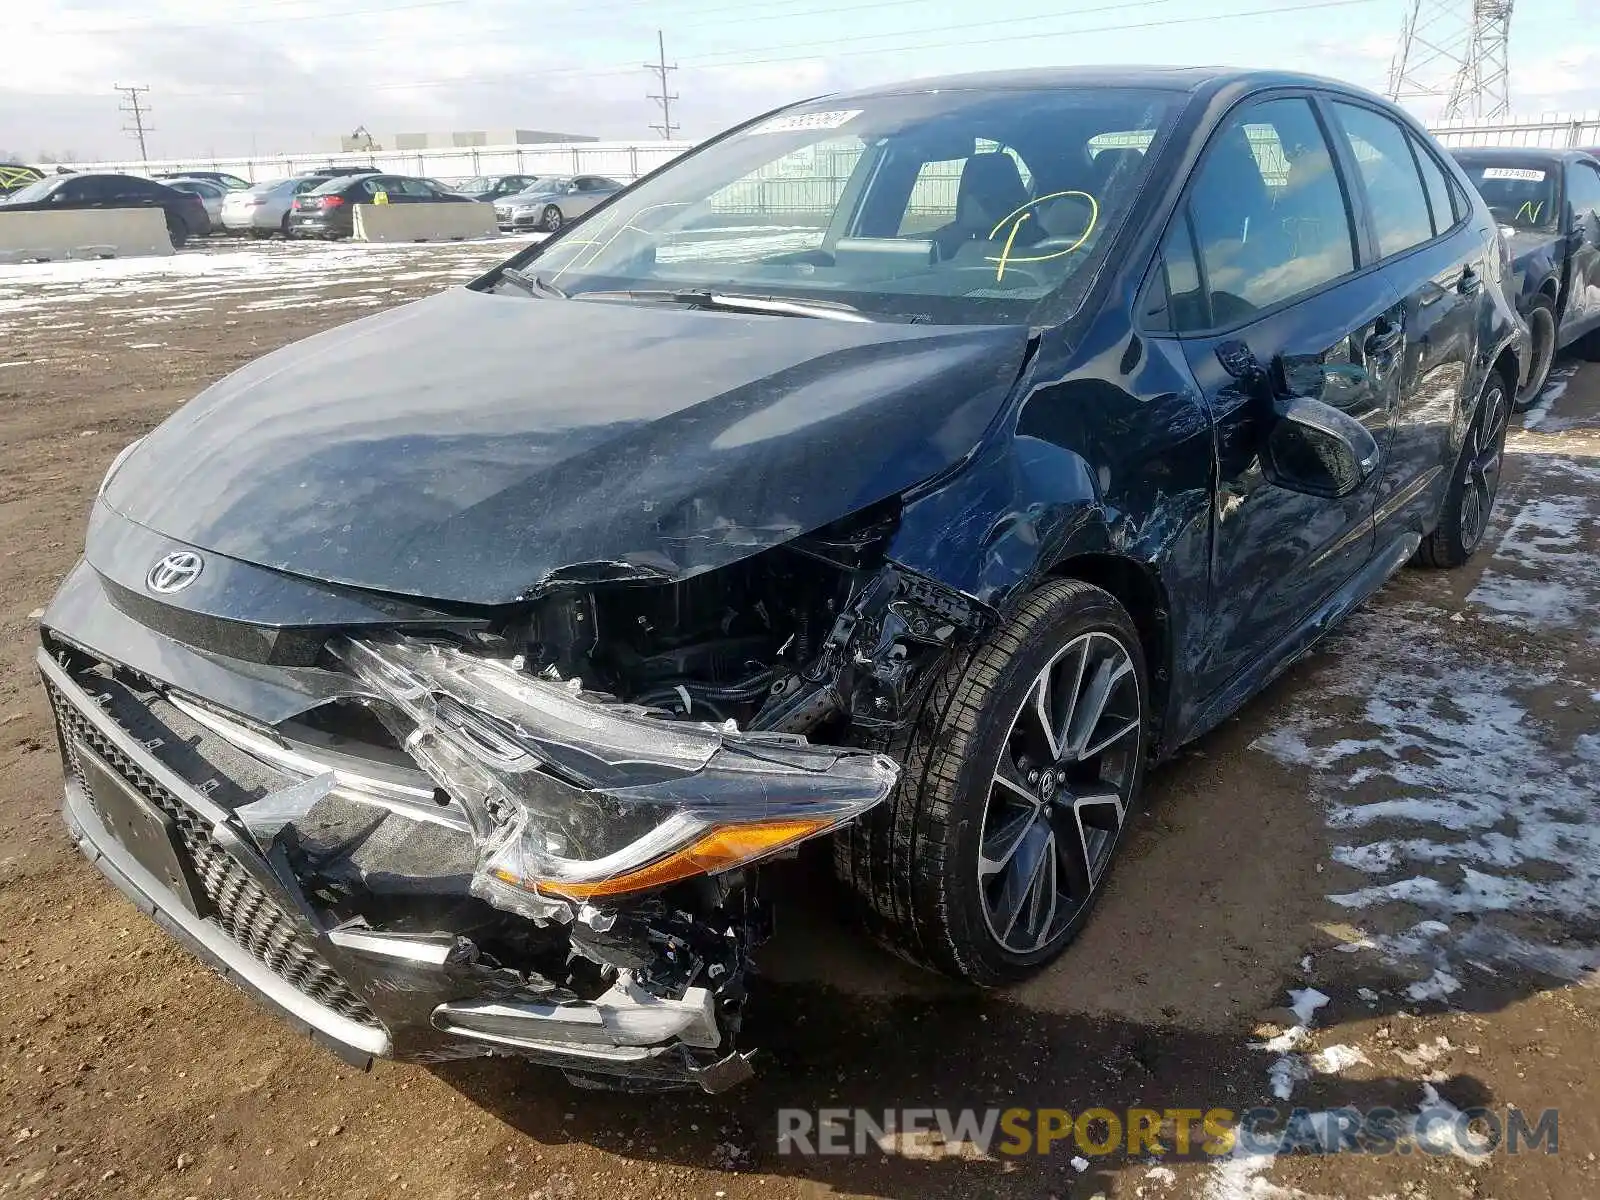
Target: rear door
[
  {"x": 1271, "y": 229},
  {"x": 1583, "y": 220},
  {"x": 1438, "y": 264}
]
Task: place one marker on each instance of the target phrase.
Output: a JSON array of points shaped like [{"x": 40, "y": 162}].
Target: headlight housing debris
[{"x": 577, "y": 797}]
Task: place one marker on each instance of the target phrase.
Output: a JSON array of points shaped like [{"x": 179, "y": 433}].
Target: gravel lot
[{"x": 1405, "y": 824}]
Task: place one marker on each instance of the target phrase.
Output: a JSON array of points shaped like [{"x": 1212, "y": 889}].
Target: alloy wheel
[
  {"x": 550, "y": 219},
  {"x": 1485, "y": 456},
  {"x": 1060, "y": 793}
]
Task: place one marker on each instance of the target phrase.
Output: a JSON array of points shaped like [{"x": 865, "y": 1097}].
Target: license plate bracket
[{"x": 142, "y": 829}]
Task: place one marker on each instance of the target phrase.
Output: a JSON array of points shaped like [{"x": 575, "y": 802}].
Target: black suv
[
  {"x": 913, "y": 466},
  {"x": 1548, "y": 205}
]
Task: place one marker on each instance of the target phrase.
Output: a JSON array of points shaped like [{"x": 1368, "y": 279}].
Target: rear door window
[
  {"x": 1270, "y": 216},
  {"x": 1441, "y": 196},
  {"x": 1396, "y": 197}
]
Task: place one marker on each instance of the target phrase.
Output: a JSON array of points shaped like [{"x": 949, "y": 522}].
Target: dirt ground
[{"x": 1399, "y": 838}]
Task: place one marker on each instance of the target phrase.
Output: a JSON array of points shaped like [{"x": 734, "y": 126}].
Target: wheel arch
[{"x": 1138, "y": 589}]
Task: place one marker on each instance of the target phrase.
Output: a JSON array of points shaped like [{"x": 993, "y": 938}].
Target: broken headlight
[{"x": 578, "y": 797}]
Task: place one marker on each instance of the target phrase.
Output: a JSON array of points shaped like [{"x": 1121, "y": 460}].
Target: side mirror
[
  {"x": 1310, "y": 447},
  {"x": 1316, "y": 449}
]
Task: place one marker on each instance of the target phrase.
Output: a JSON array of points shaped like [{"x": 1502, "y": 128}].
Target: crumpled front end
[{"x": 458, "y": 858}]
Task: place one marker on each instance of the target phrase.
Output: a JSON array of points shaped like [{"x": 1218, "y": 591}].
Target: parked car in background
[
  {"x": 185, "y": 213},
  {"x": 1548, "y": 205},
  {"x": 489, "y": 188},
  {"x": 553, "y": 201},
  {"x": 211, "y": 196},
  {"x": 263, "y": 209},
  {"x": 452, "y": 678},
  {"x": 16, "y": 176},
  {"x": 328, "y": 211},
  {"x": 229, "y": 182}
]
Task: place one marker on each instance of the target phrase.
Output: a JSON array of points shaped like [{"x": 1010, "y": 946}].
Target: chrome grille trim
[{"x": 243, "y": 908}]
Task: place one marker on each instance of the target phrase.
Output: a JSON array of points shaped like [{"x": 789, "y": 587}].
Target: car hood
[{"x": 478, "y": 448}]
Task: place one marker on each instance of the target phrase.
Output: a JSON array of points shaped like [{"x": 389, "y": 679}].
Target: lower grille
[{"x": 248, "y": 915}]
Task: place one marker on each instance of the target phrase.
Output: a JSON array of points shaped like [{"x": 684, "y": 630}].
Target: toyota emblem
[{"x": 174, "y": 572}]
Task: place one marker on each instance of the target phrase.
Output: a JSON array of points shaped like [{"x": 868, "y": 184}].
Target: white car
[
  {"x": 263, "y": 210},
  {"x": 212, "y": 196},
  {"x": 553, "y": 201}
]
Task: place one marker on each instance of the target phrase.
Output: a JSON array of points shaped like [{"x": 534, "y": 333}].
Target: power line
[
  {"x": 1453, "y": 52},
  {"x": 704, "y": 62},
  {"x": 160, "y": 27},
  {"x": 132, "y": 107},
  {"x": 665, "y": 99}
]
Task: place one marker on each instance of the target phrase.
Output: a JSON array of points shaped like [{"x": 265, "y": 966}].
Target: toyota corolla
[{"x": 908, "y": 468}]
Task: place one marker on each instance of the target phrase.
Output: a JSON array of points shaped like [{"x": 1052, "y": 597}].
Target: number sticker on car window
[
  {"x": 805, "y": 122},
  {"x": 1524, "y": 174}
]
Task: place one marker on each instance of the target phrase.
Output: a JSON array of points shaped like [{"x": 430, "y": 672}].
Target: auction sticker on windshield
[
  {"x": 1523, "y": 173},
  {"x": 802, "y": 122}
]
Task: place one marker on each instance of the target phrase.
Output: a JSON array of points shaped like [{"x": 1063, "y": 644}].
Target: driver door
[{"x": 1264, "y": 253}]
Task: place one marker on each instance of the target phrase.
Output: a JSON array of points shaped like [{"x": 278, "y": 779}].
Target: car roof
[
  {"x": 1515, "y": 154},
  {"x": 1182, "y": 79}
]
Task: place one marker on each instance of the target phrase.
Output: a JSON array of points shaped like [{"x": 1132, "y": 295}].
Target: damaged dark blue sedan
[{"x": 911, "y": 467}]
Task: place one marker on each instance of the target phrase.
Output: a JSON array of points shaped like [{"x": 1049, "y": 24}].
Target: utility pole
[
  {"x": 660, "y": 69},
  {"x": 1452, "y": 54},
  {"x": 138, "y": 112}
]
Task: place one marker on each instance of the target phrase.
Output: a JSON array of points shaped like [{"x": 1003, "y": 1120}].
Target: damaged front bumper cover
[{"x": 385, "y": 930}]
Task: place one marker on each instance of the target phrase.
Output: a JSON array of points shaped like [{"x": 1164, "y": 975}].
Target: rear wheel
[
  {"x": 177, "y": 231},
  {"x": 1464, "y": 517},
  {"x": 1542, "y": 325},
  {"x": 1019, "y": 777},
  {"x": 550, "y": 219}
]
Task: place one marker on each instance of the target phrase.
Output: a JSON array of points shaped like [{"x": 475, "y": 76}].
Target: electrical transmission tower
[
  {"x": 138, "y": 112},
  {"x": 665, "y": 98},
  {"x": 1454, "y": 52}
]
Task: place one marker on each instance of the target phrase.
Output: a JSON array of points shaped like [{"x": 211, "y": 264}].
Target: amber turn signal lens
[{"x": 724, "y": 847}]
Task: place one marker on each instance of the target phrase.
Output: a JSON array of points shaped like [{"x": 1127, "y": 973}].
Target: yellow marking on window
[
  {"x": 1000, "y": 271},
  {"x": 1005, "y": 255}
]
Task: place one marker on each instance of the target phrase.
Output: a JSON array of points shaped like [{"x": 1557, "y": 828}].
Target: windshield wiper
[
  {"x": 531, "y": 283},
  {"x": 778, "y": 306}
]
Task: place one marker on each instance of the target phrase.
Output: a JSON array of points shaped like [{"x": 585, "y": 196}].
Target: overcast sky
[{"x": 254, "y": 76}]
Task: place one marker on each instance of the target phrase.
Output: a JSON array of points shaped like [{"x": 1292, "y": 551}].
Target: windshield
[
  {"x": 35, "y": 191},
  {"x": 477, "y": 186},
  {"x": 962, "y": 206},
  {"x": 1521, "y": 195}
]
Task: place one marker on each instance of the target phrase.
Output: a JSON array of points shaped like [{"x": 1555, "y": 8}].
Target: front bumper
[{"x": 178, "y": 847}]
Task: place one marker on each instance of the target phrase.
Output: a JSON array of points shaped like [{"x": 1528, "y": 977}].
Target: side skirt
[{"x": 1227, "y": 699}]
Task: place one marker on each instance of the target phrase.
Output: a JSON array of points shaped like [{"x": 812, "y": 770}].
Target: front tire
[
  {"x": 1464, "y": 516},
  {"x": 550, "y": 220},
  {"x": 1020, "y": 775}
]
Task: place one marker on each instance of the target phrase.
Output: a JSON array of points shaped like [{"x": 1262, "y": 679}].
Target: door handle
[{"x": 1470, "y": 282}]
